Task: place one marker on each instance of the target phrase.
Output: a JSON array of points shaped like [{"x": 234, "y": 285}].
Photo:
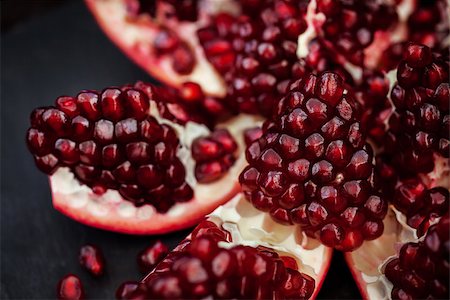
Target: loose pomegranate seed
[
  {"x": 148, "y": 258},
  {"x": 91, "y": 258},
  {"x": 312, "y": 167},
  {"x": 109, "y": 140},
  {"x": 421, "y": 269},
  {"x": 70, "y": 288}
]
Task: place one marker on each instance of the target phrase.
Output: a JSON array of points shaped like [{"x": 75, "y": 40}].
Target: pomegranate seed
[
  {"x": 70, "y": 288},
  {"x": 91, "y": 258},
  {"x": 148, "y": 258}
]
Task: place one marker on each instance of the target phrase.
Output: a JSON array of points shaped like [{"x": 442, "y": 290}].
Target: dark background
[{"x": 50, "y": 48}]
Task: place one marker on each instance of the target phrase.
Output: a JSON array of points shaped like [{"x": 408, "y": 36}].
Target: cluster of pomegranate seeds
[
  {"x": 313, "y": 167},
  {"x": 214, "y": 155},
  {"x": 427, "y": 25},
  {"x": 256, "y": 51},
  {"x": 70, "y": 288},
  {"x": 350, "y": 26},
  {"x": 421, "y": 270},
  {"x": 109, "y": 141},
  {"x": 188, "y": 103},
  {"x": 91, "y": 258},
  {"x": 372, "y": 94},
  {"x": 421, "y": 206},
  {"x": 420, "y": 125},
  {"x": 148, "y": 258},
  {"x": 200, "y": 269}
]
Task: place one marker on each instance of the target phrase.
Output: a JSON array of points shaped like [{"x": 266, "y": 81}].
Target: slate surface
[{"x": 59, "y": 53}]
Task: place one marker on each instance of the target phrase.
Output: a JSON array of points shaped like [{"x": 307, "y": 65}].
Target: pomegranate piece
[
  {"x": 313, "y": 167},
  {"x": 350, "y": 26},
  {"x": 91, "y": 258},
  {"x": 254, "y": 53},
  {"x": 421, "y": 269},
  {"x": 116, "y": 163},
  {"x": 200, "y": 268},
  {"x": 418, "y": 125},
  {"x": 148, "y": 258},
  {"x": 70, "y": 288},
  {"x": 214, "y": 155},
  {"x": 123, "y": 151}
]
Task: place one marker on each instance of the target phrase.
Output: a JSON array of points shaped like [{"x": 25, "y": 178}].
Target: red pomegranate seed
[
  {"x": 91, "y": 258},
  {"x": 70, "y": 288},
  {"x": 148, "y": 258}
]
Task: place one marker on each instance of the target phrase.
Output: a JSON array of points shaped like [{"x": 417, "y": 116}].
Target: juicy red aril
[
  {"x": 311, "y": 166},
  {"x": 148, "y": 258},
  {"x": 214, "y": 155},
  {"x": 421, "y": 269},
  {"x": 70, "y": 288},
  {"x": 91, "y": 258},
  {"x": 108, "y": 140},
  {"x": 201, "y": 268}
]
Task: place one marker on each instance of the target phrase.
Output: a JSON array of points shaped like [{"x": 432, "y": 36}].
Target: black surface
[{"x": 59, "y": 53}]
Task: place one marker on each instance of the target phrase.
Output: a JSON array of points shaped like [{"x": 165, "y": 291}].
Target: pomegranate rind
[
  {"x": 111, "y": 212},
  {"x": 248, "y": 226},
  {"x": 134, "y": 39},
  {"x": 111, "y": 220}
]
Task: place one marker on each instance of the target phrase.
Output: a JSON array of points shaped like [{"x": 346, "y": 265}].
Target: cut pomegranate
[
  {"x": 70, "y": 288},
  {"x": 313, "y": 167},
  {"x": 148, "y": 258},
  {"x": 91, "y": 258},
  {"x": 237, "y": 253},
  {"x": 115, "y": 163}
]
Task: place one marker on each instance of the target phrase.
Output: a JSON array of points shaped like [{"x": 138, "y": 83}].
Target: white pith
[
  {"x": 251, "y": 227},
  {"x": 79, "y": 195}
]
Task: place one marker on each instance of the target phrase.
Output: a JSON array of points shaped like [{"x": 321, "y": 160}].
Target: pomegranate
[
  {"x": 353, "y": 154},
  {"x": 115, "y": 163},
  {"x": 237, "y": 252},
  {"x": 70, "y": 288}
]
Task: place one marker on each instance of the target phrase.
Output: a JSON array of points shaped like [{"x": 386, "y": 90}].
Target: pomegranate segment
[
  {"x": 115, "y": 163},
  {"x": 400, "y": 266},
  {"x": 414, "y": 157},
  {"x": 234, "y": 254},
  {"x": 123, "y": 148},
  {"x": 136, "y": 35},
  {"x": 421, "y": 269},
  {"x": 313, "y": 167}
]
